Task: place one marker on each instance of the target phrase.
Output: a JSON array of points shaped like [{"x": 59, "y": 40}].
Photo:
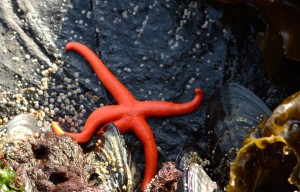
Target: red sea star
[{"x": 129, "y": 114}]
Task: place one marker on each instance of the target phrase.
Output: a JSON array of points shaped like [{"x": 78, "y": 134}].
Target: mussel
[
  {"x": 22, "y": 124},
  {"x": 232, "y": 114},
  {"x": 116, "y": 170},
  {"x": 270, "y": 155}
]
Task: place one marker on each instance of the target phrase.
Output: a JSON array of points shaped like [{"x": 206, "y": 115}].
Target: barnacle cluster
[
  {"x": 271, "y": 153},
  {"x": 194, "y": 177}
]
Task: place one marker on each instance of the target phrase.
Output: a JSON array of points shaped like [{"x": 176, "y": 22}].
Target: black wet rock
[{"x": 160, "y": 50}]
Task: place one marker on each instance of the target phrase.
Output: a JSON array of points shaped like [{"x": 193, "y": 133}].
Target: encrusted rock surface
[
  {"x": 166, "y": 179},
  {"x": 47, "y": 162}
]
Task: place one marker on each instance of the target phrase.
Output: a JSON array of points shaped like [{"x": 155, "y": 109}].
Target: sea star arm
[
  {"x": 114, "y": 86},
  {"x": 97, "y": 118},
  {"x": 162, "y": 108},
  {"x": 142, "y": 130}
]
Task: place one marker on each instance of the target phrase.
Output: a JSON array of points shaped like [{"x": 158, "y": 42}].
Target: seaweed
[
  {"x": 270, "y": 154},
  {"x": 8, "y": 180}
]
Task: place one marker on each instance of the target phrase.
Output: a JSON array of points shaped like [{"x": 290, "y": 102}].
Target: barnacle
[
  {"x": 194, "y": 177},
  {"x": 271, "y": 153}
]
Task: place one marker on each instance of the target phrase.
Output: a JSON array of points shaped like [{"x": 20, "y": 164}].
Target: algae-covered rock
[{"x": 43, "y": 161}]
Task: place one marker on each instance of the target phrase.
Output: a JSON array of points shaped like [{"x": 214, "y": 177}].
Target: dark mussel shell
[
  {"x": 232, "y": 113},
  {"x": 116, "y": 170},
  {"x": 270, "y": 155}
]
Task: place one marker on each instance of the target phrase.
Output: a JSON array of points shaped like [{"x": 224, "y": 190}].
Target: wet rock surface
[{"x": 160, "y": 50}]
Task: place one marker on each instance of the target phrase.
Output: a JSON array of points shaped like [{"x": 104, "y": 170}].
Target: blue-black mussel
[{"x": 233, "y": 112}]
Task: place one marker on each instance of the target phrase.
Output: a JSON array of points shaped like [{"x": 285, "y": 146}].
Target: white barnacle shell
[{"x": 194, "y": 177}]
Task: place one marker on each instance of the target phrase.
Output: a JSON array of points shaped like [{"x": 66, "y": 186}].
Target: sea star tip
[
  {"x": 199, "y": 92},
  {"x": 69, "y": 46},
  {"x": 56, "y": 128}
]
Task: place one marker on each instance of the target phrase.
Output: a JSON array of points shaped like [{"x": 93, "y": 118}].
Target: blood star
[{"x": 129, "y": 114}]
